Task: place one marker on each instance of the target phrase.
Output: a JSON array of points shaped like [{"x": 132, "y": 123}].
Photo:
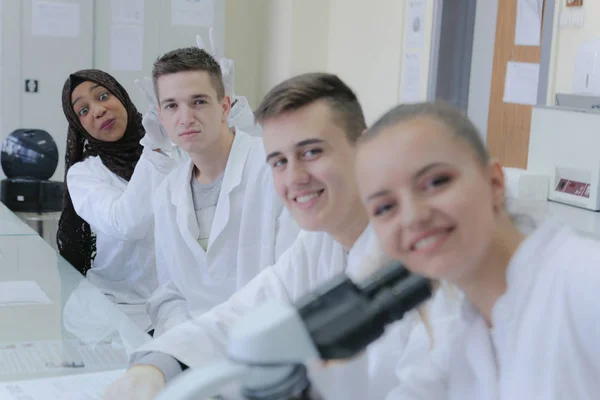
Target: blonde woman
[{"x": 530, "y": 324}]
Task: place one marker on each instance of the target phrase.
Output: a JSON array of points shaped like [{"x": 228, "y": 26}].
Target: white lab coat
[
  {"x": 314, "y": 258},
  {"x": 544, "y": 340},
  {"x": 250, "y": 229},
  {"x": 120, "y": 215}
]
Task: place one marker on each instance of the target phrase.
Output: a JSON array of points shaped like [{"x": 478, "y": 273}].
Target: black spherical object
[{"x": 29, "y": 153}]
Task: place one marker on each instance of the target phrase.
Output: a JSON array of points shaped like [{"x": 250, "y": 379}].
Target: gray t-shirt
[{"x": 205, "y": 197}]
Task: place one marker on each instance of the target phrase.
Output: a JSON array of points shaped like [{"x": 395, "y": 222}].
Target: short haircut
[
  {"x": 189, "y": 59},
  {"x": 449, "y": 116},
  {"x": 305, "y": 89}
]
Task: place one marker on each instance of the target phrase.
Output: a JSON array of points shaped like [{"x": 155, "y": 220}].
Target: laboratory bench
[
  {"x": 53, "y": 322},
  {"x": 76, "y": 329},
  {"x": 11, "y": 225}
]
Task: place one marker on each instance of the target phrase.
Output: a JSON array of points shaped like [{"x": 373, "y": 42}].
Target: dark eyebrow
[
  {"x": 273, "y": 154},
  {"x": 298, "y": 145},
  {"x": 419, "y": 173},
  {"x": 169, "y": 100},
  {"x": 193, "y": 97},
  {"x": 428, "y": 168},
  {"x": 79, "y": 98},
  {"x": 309, "y": 141},
  {"x": 378, "y": 194}
]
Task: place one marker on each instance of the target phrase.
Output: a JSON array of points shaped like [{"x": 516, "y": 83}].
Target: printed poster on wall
[
  {"x": 521, "y": 85},
  {"x": 528, "y": 29},
  {"x": 193, "y": 12},
  {"x": 126, "y": 47},
  {"x": 415, "y": 24},
  {"x": 411, "y": 78},
  {"x": 54, "y": 19},
  {"x": 127, "y": 11}
]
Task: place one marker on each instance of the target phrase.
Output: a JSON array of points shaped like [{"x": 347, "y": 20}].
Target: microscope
[{"x": 268, "y": 348}]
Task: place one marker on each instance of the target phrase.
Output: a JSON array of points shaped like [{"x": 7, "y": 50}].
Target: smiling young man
[
  {"x": 218, "y": 221},
  {"x": 311, "y": 124}
]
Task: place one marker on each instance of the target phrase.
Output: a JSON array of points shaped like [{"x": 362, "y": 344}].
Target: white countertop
[
  {"x": 584, "y": 221},
  {"x": 11, "y": 225},
  {"x": 80, "y": 314},
  {"x": 80, "y": 325}
]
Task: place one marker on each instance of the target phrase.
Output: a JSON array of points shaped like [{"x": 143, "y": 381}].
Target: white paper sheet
[
  {"x": 54, "y": 19},
  {"x": 521, "y": 85},
  {"x": 127, "y": 11},
  {"x": 53, "y": 355},
  {"x": 73, "y": 387},
  {"x": 529, "y": 22},
  {"x": 415, "y": 24},
  {"x": 21, "y": 293},
  {"x": 572, "y": 17},
  {"x": 193, "y": 12},
  {"x": 126, "y": 47},
  {"x": 411, "y": 78}
]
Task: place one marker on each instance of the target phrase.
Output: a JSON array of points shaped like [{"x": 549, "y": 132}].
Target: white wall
[
  {"x": 360, "y": 41},
  {"x": 245, "y": 45},
  {"x": 269, "y": 41},
  {"x": 365, "y": 41},
  {"x": 482, "y": 61},
  {"x": 295, "y": 40},
  {"x": 366, "y": 48}
]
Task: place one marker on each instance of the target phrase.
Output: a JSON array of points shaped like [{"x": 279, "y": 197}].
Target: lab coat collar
[
  {"x": 482, "y": 352},
  {"x": 522, "y": 269},
  {"x": 181, "y": 196},
  {"x": 182, "y": 185},
  {"x": 232, "y": 178},
  {"x": 362, "y": 245},
  {"x": 236, "y": 161},
  {"x": 233, "y": 171},
  {"x": 540, "y": 243},
  {"x": 527, "y": 262}
]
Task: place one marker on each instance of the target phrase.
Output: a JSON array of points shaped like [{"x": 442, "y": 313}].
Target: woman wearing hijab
[{"x": 106, "y": 227}]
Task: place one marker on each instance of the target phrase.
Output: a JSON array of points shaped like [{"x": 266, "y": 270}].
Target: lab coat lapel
[
  {"x": 186, "y": 215},
  {"x": 481, "y": 359},
  {"x": 231, "y": 179}
]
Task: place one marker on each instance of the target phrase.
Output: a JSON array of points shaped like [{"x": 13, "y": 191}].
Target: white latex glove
[
  {"x": 142, "y": 382},
  {"x": 156, "y": 137},
  {"x": 227, "y": 66}
]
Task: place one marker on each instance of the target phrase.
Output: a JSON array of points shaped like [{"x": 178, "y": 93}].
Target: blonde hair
[{"x": 451, "y": 117}]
